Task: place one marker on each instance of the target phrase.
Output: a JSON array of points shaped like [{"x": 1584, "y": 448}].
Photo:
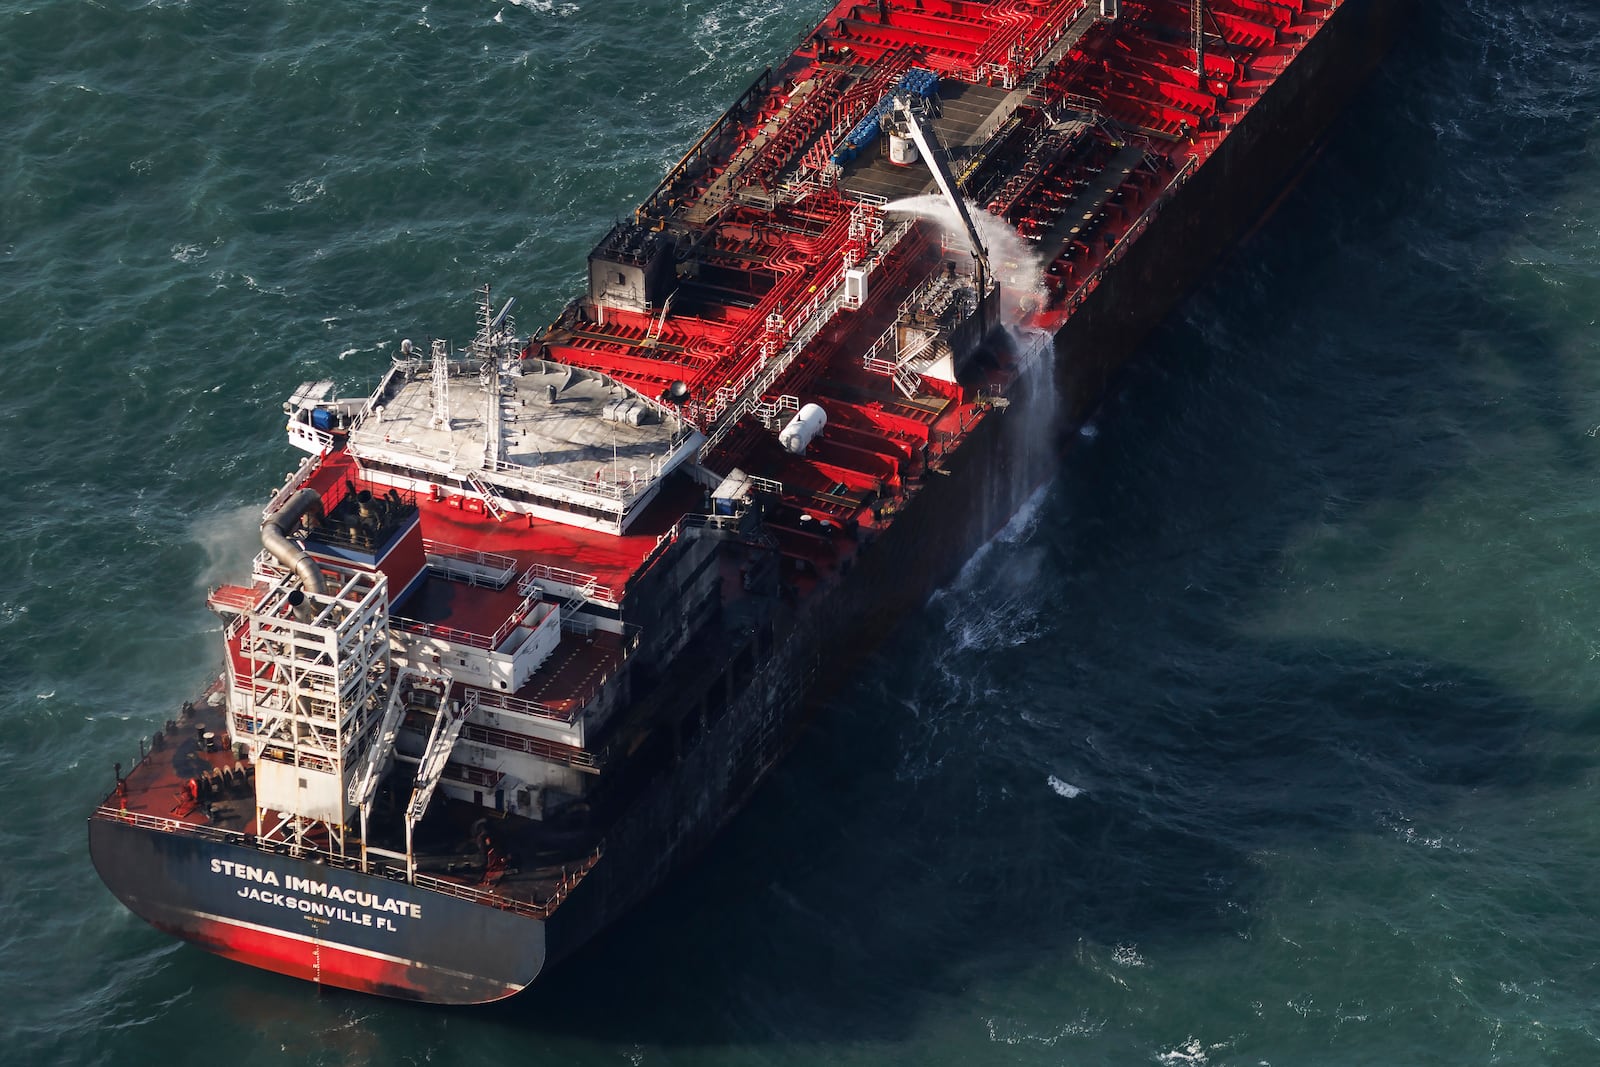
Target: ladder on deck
[
  {"x": 441, "y": 742},
  {"x": 364, "y": 785},
  {"x": 907, "y": 381},
  {"x": 490, "y": 501}
]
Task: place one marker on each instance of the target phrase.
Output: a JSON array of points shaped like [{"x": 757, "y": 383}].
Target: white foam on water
[
  {"x": 1017, "y": 530},
  {"x": 1191, "y": 1053},
  {"x": 1016, "y": 1032},
  {"x": 545, "y": 6},
  {"x": 1068, "y": 790},
  {"x": 1126, "y": 955}
]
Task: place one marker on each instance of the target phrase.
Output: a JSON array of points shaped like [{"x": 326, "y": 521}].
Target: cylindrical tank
[
  {"x": 803, "y": 429},
  {"x": 902, "y": 150}
]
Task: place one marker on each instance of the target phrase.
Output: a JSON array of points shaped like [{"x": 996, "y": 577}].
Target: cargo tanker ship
[{"x": 531, "y": 620}]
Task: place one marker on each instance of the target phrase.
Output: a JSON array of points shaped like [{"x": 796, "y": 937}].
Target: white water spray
[
  {"x": 1018, "y": 269},
  {"x": 1012, "y": 259}
]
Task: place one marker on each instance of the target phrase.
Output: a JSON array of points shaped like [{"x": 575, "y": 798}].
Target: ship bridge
[{"x": 499, "y": 433}]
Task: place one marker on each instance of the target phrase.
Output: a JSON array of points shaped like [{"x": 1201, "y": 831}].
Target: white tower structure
[{"x": 317, "y": 670}]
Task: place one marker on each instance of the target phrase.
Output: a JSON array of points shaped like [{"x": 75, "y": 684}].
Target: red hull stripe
[{"x": 304, "y": 957}]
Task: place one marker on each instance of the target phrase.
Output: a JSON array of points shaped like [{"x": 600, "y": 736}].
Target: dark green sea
[{"x": 1268, "y": 733}]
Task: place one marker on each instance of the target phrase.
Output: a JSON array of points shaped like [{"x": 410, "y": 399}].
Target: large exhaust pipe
[{"x": 275, "y": 538}]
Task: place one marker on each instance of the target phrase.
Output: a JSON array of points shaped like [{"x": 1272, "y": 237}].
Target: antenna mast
[
  {"x": 1196, "y": 13},
  {"x": 441, "y": 386}
]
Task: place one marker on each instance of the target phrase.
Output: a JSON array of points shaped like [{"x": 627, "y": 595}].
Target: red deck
[
  {"x": 1109, "y": 118},
  {"x": 759, "y": 267},
  {"x": 462, "y": 522}
]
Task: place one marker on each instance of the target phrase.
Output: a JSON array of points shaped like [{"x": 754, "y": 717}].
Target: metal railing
[
  {"x": 587, "y": 584},
  {"x": 470, "y": 565},
  {"x": 516, "y": 705},
  {"x": 564, "y": 886},
  {"x": 1092, "y": 280}
]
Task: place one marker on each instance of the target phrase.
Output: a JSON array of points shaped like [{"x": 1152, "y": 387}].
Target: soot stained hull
[{"x": 343, "y": 928}]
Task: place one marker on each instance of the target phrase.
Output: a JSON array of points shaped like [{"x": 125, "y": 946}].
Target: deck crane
[{"x": 903, "y": 118}]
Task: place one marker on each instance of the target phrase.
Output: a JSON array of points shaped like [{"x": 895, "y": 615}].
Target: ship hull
[
  {"x": 1222, "y": 200},
  {"x": 460, "y": 951},
  {"x": 1002, "y": 461},
  {"x": 307, "y": 920}
]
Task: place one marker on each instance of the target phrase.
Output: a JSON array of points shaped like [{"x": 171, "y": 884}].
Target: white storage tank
[
  {"x": 803, "y": 429},
  {"x": 902, "y": 150}
]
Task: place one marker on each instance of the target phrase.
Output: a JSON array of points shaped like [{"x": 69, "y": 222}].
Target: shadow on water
[{"x": 1108, "y": 773}]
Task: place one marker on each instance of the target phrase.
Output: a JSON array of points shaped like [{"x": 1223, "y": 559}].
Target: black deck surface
[{"x": 959, "y": 110}]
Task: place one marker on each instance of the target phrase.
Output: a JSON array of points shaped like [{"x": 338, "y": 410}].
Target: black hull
[
  {"x": 462, "y": 951},
  {"x": 311, "y": 921},
  {"x": 1001, "y": 462}
]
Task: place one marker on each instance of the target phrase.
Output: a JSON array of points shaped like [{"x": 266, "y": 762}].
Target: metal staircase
[
  {"x": 364, "y": 784},
  {"x": 441, "y": 742},
  {"x": 492, "y": 503}
]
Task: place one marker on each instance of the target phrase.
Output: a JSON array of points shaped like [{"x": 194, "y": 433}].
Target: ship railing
[
  {"x": 292, "y": 484},
  {"x": 549, "y": 751},
  {"x": 1050, "y": 35},
  {"x": 399, "y": 370},
  {"x": 872, "y": 359},
  {"x": 768, "y": 411},
  {"x": 663, "y": 543},
  {"x": 1092, "y": 280},
  {"x": 616, "y": 491},
  {"x": 795, "y": 191},
  {"x": 470, "y": 565},
  {"x": 734, "y": 401},
  {"x": 531, "y": 596},
  {"x": 621, "y": 492},
  {"x": 713, "y": 522},
  {"x": 579, "y": 625},
  {"x": 568, "y": 882},
  {"x": 448, "y": 634},
  {"x": 740, "y": 107},
  {"x": 587, "y": 584},
  {"x": 171, "y": 826},
  {"x": 309, "y": 438},
  {"x": 517, "y": 706},
  {"x": 454, "y": 636}
]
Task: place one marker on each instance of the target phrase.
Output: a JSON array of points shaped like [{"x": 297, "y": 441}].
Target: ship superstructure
[{"x": 532, "y": 618}]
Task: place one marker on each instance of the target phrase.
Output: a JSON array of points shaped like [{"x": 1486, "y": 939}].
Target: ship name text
[{"x": 376, "y": 907}]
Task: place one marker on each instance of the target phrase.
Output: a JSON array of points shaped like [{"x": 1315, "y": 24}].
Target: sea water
[{"x": 1266, "y": 733}]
